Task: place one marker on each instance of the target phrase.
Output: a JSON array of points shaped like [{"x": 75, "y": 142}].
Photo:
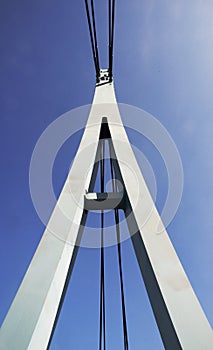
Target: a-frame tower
[{"x": 32, "y": 316}]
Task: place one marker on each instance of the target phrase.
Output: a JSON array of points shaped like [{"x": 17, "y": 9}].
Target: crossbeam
[{"x": 103, "y": 201}]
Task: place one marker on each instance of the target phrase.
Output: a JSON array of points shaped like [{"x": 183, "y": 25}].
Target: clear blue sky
[{"x": 163, "y": 64}]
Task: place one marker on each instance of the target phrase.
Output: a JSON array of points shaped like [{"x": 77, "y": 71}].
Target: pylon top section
[{"x": 102, "y": 75}]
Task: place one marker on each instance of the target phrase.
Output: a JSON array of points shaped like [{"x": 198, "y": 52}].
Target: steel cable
[
  {"x": 102, "y": 272},
  {"x": 111, "y": 34},
  {"x": 125, "y": 330},
  {"x": 93, "y": 36}
]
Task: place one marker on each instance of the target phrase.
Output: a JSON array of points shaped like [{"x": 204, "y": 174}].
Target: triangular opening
[{"x": 79, "y": 321}]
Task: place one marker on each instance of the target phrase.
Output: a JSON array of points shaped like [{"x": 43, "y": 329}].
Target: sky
[{"x": 163, "y": 54}]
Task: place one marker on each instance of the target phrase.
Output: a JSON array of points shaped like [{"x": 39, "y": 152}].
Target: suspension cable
[
  {"x": 102, "y": 277},
  {"x": 125, "y": 330},
  {"x": 126, "y": 346},
  {"x": 110, "y": 28},
  {"x": 111, "y": 33},
  {"x": 93, "y": 36}
]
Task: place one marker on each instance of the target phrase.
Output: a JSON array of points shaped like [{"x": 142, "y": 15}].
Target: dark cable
[
  {"x": 95, "y": 35},
  {"x": 125, "y": 331},
  {"x": 126, "y": 346},
  {"x": 102, "y": 277},
  {"x": 110, "y": 20},
  {"x": 111, "y": 34},
  {"x": 91, "y": 38},
  {"x": 113, "y": 24}
]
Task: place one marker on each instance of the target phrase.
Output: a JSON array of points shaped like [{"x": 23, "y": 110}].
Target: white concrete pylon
[{"x": 31, "y": 317}]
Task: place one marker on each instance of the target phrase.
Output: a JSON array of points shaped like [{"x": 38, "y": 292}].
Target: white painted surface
[{"x": 29, "y": 321}]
